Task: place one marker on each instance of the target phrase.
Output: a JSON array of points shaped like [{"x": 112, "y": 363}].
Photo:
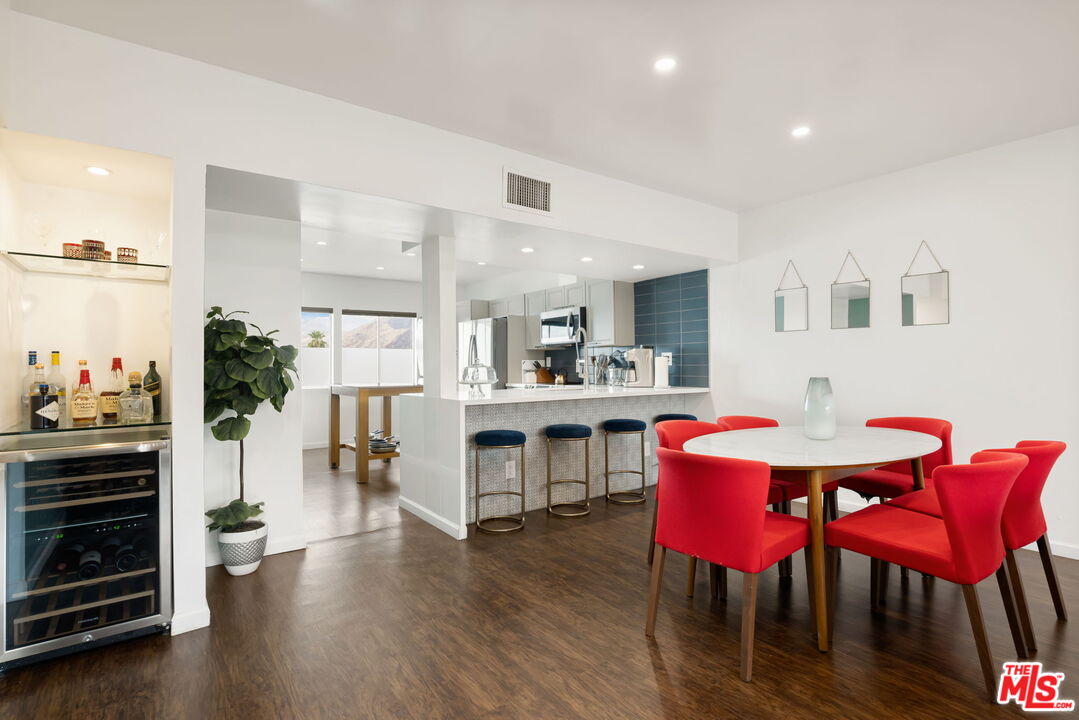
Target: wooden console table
[{"x": 363, "y": 395}]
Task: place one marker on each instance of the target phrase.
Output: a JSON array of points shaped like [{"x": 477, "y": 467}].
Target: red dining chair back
[
  {"x": 746, "y": 422},
  {"x": 714, "y": 508},
  {"x": 972, "y": 499},
  {"x": 930, "y": 426},
  {"x": 673, "y": 434},
  {"x": 1024, "y": 520}
]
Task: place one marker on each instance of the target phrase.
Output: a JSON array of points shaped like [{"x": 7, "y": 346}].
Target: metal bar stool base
[
  {"x": 622, "y": 497},
  {"x": 519, "y": 523},
  {"x": 517, "y": 520}
]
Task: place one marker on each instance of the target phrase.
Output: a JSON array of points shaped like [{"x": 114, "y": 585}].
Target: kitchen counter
[{"x": 571, "y": 392}]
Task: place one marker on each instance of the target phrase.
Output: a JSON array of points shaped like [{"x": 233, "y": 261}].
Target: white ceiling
[
  {"x": 362, "y": 233},
  {"x": 51, "y": 161},
  {"x": 884, "y": 84}
]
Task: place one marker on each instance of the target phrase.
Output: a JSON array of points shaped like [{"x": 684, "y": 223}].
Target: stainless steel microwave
[{"x": 559, "y": 327}]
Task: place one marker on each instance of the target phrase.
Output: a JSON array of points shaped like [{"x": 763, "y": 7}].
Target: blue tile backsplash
[{"x": 671, "y": 313}]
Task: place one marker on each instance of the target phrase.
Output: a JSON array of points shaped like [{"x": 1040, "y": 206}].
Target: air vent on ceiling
[{"x": 526, "y": 193}]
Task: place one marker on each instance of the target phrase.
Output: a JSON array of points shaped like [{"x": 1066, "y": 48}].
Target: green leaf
[
  {"x": 269, "y": 381},
  {"x": 213, "y": 409},
  {"x": 287, "y": 379},
  {"x": 259, "y": 360},
  {"x": 232, "y": 428},
  {"x": 231, "y": 516},
  {"x": 245, "y": 403},
  {"x": 212, "y": 372},
  {"x": 214, "y": 310},
  {"x": 232, "y": 339},
  {"x": 286, "y": 354},
  {"x": 237, "y": 369}
]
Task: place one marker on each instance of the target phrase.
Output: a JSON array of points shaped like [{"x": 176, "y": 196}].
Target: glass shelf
[
  {"x": 23, "y": 428},
  {"x": 111, "y": 269}
]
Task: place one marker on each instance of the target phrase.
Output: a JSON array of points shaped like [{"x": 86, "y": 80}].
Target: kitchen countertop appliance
[{"x": 641, "y": 367}]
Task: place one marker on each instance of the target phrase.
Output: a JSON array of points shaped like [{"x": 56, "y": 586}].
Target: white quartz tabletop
[
  {"x": 788, "y": 447},
  {"x": 524, "y": 395}
]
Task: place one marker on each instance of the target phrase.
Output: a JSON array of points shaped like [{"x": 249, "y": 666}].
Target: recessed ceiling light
[
  {"x": 586, "y": 259},
  {"x": 638, "y": 267},
  {"x": 801, "y": 131},
  {"x": 95, "y": 170},
  {"x": 527, "y": 250},
  {"x": 482, "y": 262},
  {"x": 665, "y": 64},
  {"x": 410, "y": 254},
  {"x": 320, "y": 242},
  {"x": 379, "y": 267}
]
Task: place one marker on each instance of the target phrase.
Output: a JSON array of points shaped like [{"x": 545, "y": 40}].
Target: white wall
[
  {"x": 70, "y": 83},
  {"x": 1005, "y": 222},
  {"x": 513, "y": 283},
  {"x": 341, "y": 292},
  {"x": 12, "y": 356},
  {"x": 253, "y": 264}
]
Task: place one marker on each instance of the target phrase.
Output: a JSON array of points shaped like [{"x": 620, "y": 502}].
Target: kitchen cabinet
[
  {"x": 535, "y": 303},
  {"x": 610, "y": 313},
  {"x": 473, "y": 310},
  {"x": 515, "y": 305},
  {"x": 576, "y": 294},
  {"x": 497, "y": 308},
  {"x": 556, "y": 297}
]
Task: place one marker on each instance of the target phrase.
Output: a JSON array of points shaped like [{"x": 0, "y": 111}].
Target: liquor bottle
[
  {"x": 89, "y": 564},
  {"x": 44, "y": 408},
  {"x": 56, "y": 379},
  {"x": 123, "y": 556},
  {"x": 31, "y": 362},
  {"x": 136, "y": 406},
  {"x": 84, "y": 401},
  {"x": 68, "y": 558},
  {"x": 152, "y": 385},
  {"x": 109, "y": 398}
]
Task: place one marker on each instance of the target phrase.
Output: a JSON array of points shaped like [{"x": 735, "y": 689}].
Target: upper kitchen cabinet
[
  {"x": 610, "y": 313},
  {"x": 574, "y": 295},
  {"x": 497, "y": 308},
  {"x": 535, "y": 303},
  {"x": 512, "y": 305},
  {"x": 556, "y": 297},
  {"x": 473, "y": 310}
]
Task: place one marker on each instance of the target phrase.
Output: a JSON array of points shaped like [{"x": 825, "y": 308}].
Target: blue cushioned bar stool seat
[
  {"x": 569, "y": 432},
  {"x": 623, "y": 426},
  {"x": 499, "y": 440},
  {"x": 674, "y": 416}
]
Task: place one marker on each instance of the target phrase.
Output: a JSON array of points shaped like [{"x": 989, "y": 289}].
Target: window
[
  {"x": 378, "y": 348},
  {"x": 316, "y": 347}
]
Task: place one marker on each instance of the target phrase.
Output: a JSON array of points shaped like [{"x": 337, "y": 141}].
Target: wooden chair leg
[
  {"x": 882, "y": 591},
  {"x": 831, "y": 572},
  {"x": 874, "y": 583},
  {"x": 981, "y": 640},
  {"x": 1008, "y": 597},
  {"x": 831, "y": 506},
  {"x": 1021, "y": 607},
  {"x": 653, "y": 591},
  {"x": 1051, "y": 576},
  {"x": 808, "y": 555},
  {"x": 749, "y": 617},
  {"x": 691, "y": 576},
  {"x": 717, "y": 581},
  {"x": 652, "y": 533},
  {"x": 786, "y": 565},
  {"x": 904, "y": 573}
]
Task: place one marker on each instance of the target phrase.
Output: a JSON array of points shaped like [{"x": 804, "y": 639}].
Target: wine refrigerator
[{"x": 87, "y": 547}]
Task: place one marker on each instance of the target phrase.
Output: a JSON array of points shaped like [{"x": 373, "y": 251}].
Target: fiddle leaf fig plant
[{"x": 241, "y": 370}]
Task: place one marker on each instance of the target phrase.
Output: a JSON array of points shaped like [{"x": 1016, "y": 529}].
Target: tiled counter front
[{"x": 567, "y": 458}]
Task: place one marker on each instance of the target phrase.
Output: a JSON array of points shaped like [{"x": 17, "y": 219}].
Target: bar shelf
[{"x": 108, "y": 269}]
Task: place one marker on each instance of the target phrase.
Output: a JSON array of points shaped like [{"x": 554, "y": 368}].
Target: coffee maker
[{"x": 641, "y": 367}]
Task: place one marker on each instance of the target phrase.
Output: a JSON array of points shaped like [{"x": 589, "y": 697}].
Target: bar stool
[
  {"x": 569, "y": 432},
  {"x": 674, "y": 416},
  {"x": 500, "y": 439},
  {"x": 623, "y": 426}
]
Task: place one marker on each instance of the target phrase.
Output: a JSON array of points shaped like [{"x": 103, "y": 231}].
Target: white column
[
  {"x": 439, "y": 317},
  {"x": 189, "y": 534}
]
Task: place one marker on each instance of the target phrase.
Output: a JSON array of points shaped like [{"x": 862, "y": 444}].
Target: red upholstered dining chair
[
  {"x": 673, "y": 434},
  {"x": 715, "y": 509},
  {"x": 893, "y": 480},
  {"x": 1023, "y": 523},
  {"x": 963, "y": 546}
]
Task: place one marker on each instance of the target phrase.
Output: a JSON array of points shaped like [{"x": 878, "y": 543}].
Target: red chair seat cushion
[
  {"x": 795, "y": 489},
  {"x": 882, "y": 483},
  {"x": 923, "y": 501},
  {"x": 783, "y": 536},
  {"x": 896, "y": 535},
  {"x": 775, "y": 493}
]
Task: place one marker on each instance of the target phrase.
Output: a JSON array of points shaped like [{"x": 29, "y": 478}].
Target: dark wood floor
[
  {"x": 335, "y": 505},
  {"x": 404, "y": 622}
]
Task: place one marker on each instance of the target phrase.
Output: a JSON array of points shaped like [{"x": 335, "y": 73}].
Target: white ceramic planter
[{"x": 241, "y": 552}]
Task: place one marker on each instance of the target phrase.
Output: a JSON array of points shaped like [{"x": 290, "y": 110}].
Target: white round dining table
[{"x": 852, "y": 450}]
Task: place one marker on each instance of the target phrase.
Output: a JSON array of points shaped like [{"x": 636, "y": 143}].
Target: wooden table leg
[
  {"x": 387, "y": 419},
  {"x": 335, "y": 430},
  {"x": 363, "y": 431},
  {"x": 916, "y": 471},
  {"x": 816, "y": 539}
]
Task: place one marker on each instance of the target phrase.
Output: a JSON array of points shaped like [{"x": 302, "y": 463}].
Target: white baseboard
[
  {"x": 190, "y": 620},
  {"x": 275, "y": 545},
  {"x": 1061, "y": 549},
  {"x": 452, "y": 529},
  {"x": 316, "y": 446}
]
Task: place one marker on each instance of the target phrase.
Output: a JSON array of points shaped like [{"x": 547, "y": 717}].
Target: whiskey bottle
[
  {"x": 84, "y": 401},
  {"x": 152, "y": 386},
  {"x": 109, "y": 398},
  {"x": 44, "y": 408},
  {"x": 28, "y": 379},
  {"x": 56, "y": 379},
  {"x": 136, "y": 406}
]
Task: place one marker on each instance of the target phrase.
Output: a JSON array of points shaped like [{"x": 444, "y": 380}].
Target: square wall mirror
[
  {"x": 925, "y": 299},
  {"x": 850, "y": 305},
  {"x": 792, "y": 309}
]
